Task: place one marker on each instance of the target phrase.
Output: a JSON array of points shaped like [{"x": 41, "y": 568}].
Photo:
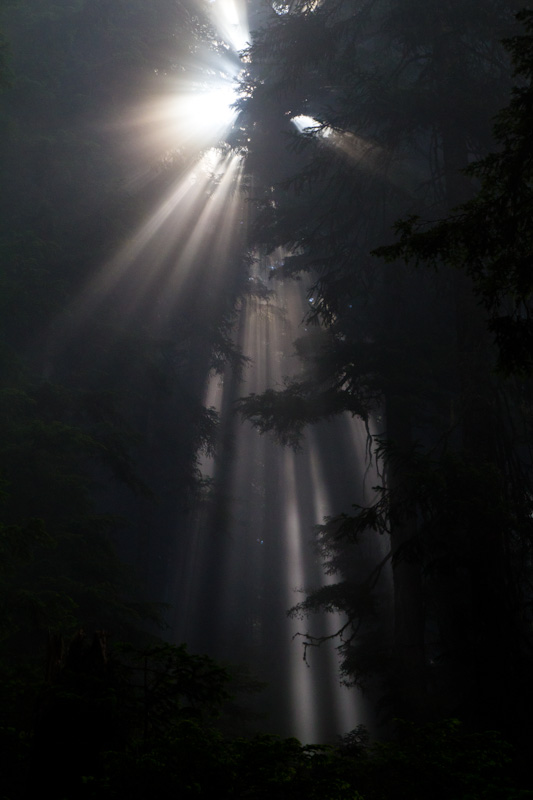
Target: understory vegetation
[{"x": 123, "y": 723}]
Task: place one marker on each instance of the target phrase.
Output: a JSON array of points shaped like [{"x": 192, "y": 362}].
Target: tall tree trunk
[
  {"x": 409, "y": 659},
  {"x": 478, "y": 644}
]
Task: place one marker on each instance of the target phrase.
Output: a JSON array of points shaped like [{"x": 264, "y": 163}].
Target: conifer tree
[{"x": 402, "y": 96}]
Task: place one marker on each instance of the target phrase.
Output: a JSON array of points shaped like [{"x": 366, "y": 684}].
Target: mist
[{"x": 266, "y": 382}]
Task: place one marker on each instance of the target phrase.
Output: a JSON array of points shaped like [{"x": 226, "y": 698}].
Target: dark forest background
[{"x": 407, "y": 206}]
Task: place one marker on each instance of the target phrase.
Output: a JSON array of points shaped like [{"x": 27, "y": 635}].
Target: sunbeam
[
  {"x": 231, "y": 20},
  {"x": 247, "y": 551},
  {"x": 185, "y": 112},
  {"x": 252, "y": 553},
  {"x": 366, "y": 154},
  {"x": 305, "y": 124},
  {"x": 190, "y": 108},
  {"x": 188, "y": 113}
]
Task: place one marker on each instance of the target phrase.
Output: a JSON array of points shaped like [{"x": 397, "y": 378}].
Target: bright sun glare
[
  {"x": 188, "y": 117},
  {"x": 229, "y": 17},
  {"x": 305, "y": 124},
  {"x": 191, "y": 110},
  {"x": 206, "y": 111}
]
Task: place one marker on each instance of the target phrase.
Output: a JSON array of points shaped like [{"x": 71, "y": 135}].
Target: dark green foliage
[
  {"x": 287, "y": 412},
  {"x": 194, "y": 759},
  {"x": 489, "y": 237},
  {"x": 104, "y": 701},
  {"x": 441, "y": 760},
  {"x": 402, "y": 95},
  {"x": 58, "y": 553},
  {"x": 117, "y": 722}
]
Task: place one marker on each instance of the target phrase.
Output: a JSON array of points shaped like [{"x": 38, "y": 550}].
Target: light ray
[
  {"x": 162, "y": 252},
  {"x": 368, "y": 155},
  {"x": 305, "y": 124},
  {"x": 206, "y": 244},
  {"x": 276, "y": 498},
  {"x": 185, "y": 248},
  {"x": 231, "y": 19},
  {"x": 187, "y": 113}
]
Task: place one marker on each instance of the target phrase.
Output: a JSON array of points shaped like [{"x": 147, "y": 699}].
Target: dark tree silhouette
[{"x": 399, "y": 106}]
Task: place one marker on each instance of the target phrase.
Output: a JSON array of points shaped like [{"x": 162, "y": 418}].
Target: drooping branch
[{"x": 287, "y": 412}]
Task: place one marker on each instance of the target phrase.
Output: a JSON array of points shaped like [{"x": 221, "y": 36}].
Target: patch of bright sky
[
  {"x": 189, "y": 114},
  {"x": 190, "y": 109},
  {"x": 231, "y": 20},
  {"x": 282, "y": 7},
  {"x": 304, "y": 124}
]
